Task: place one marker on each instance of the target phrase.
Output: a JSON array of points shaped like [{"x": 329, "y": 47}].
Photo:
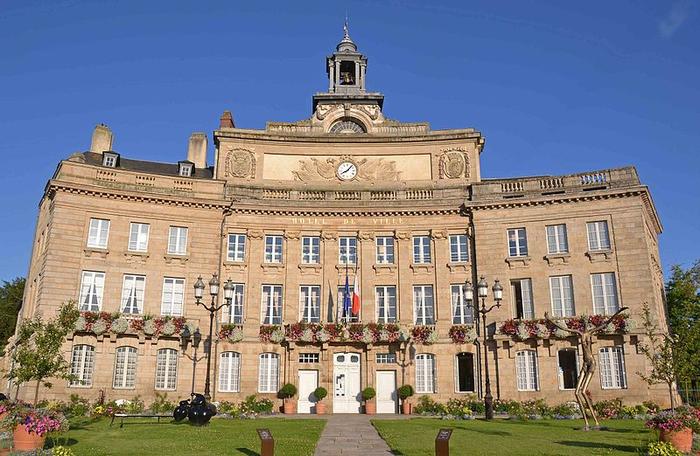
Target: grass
[
  {"x": 221, "y": 437},
  {"x": 513, "y": 437}
]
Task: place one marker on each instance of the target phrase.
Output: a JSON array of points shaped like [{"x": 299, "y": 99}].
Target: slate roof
[{"x": 165, "y": 169}]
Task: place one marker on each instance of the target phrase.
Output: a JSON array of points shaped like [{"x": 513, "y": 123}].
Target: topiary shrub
[
  {"x": 287, "y": 391},
  {"x": 368, "y": 393},
  {"x": 405, "y": 392},
  {"x": 320, "y": 393}
]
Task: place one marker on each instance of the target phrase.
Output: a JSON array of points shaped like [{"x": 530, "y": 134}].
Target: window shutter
[{"x": 526, "y": 290}]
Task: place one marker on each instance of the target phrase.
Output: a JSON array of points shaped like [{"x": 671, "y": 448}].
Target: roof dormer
[{"x": 110, "y": 159}]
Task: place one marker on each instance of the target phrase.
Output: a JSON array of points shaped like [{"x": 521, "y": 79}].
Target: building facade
[{"x": 291, "y": 214}]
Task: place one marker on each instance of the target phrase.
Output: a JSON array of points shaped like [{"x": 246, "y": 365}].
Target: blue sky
[{"x": 556, "y": 87}]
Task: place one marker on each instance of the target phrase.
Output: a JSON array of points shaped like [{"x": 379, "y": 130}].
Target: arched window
[
  {"x": 526, "y": 370},
  {"x": 125, "y": 368},
  {"x": 268, "y": 371},
  {"x": 425, "y": 373},
  {"x": 166, "y": 369},
  {"x": 82, "y": 364},
  {"x": 230, "y": 372},
  {"x": 347, "y": 127},
  {"x": 612, "y": 368}
]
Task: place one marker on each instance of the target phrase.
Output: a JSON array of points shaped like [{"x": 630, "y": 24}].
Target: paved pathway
[{"x": 351, "y": 435}]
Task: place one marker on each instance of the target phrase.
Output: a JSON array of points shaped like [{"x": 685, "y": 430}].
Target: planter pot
[
  {"x": 406, "y": 408},
  {"x": 320, "y": 408},
  {"x": 290, "y": 407},
  {"x": 26, "y": 441},
  {"x": 682, "y": 439},
  {"x": 370, "y": 408}
]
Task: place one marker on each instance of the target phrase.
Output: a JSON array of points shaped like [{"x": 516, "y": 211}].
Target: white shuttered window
[
  {"x": 125, "y": 368},
  {"x": 612, "y": 368},
  {"x": 268, "y": 372},
  {"x": 526, "y": 370},
  {"x": 166, "y": 369},
  {"x": 598, "y": 236},
  {"x": 132, "y": 294},
  {"x": 425, "y": 373},
  {"x": 173, "y": 296},
  {"x": 92, "y": 285},
  {"x": 230, "y": 372},
  {"x": 82, "y": 365},
  {"x": 562, "y": 294},
  {"x": 138, "y": 237},
  {"x": 98, "y": 234},
  {"x": 604, "y": 290},
  {"x": 177, "y": 240}
]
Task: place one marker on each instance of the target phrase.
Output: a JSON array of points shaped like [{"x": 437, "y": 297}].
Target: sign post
[
  {"x": 267, "y": 443},
  {"x": 442, "y": 442}
]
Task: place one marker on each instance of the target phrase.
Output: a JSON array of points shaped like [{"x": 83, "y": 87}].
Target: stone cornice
[{"x": 261, "y": 135}]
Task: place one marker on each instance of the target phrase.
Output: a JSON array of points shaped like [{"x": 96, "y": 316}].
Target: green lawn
[
  {"x": 499, "y": 437},
  {"x": 143, "y": 436}
]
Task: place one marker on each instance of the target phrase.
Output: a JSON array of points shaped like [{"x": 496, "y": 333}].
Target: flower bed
[
  {"x": 543, "y": 329},
  {"x": 100, "y": 323}
]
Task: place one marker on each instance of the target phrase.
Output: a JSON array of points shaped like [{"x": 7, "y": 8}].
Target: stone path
[{"x": 351, "y": 435}]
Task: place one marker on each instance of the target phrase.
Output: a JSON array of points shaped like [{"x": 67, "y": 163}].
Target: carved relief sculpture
[
  {"x": 454, "y": 164},
  {"x": 368, "y": 169},
  {"x": 240, "y": 163}
]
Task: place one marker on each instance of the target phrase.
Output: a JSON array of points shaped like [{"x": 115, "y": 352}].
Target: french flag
[{"x": 356, "y": 298}]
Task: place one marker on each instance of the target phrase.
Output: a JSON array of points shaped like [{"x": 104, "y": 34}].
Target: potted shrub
[
  {"x": 320, "y": 393},
  {"x": 30, "y": 426},
  {"x": 286, "y": 394},
  {"x": 677, "y": 426},
  {"x": 368, "y": 396},
  {"x": 405, "y": 392}
]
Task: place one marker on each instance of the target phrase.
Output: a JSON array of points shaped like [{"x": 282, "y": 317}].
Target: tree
[
  {"x": 659, "y": 351},
  {"x": 10, "y": 303},
  {"x": 683, "y": 302},
  {"x": 36, "y": 354}
]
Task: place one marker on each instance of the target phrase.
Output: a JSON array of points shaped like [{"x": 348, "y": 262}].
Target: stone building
[{"x": 291, "y": 213}]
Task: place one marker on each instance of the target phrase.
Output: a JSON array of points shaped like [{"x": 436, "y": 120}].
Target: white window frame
[
  {"x": 517, "y": 244},
  {"x": 92, "y": 285},
  {"x": 235, "y": 313},
  {"x": 169, "y": 307},
  {"x": 310, "y": 250},
  {"x": 235, "y": 250},
  {"x": 138, "y": 236},
  {"x": 421, "y": 250},
  {"x": 125, "y": 361},
  {"x": 557, "y": 239},
  {"x": 425, "y": 373},
  {"x": 273, "y": 248},
  {"x": 309, "y": 358},
  {"x": 347, "y": 250},
  {"x": 133, "y": 289},
  {"x": 525, "y": 297},
  {"x": 268, "y": 372},
  {"x": 527, "y": 370},
  {"x": 385, "y": 249},
  {"x": 462, "y": 314},
  {"x": 109, "y": 160},
  {"x": 612, "y": 367},
  {"x": 185, "y": 170},
  {"x": 598, "y": 235},
  {"x": 230, "y": 372},
  {"x": 82, "y": 365},
  {"x": 459, "y": 253},
  {"x": 557, "y": 287},
  {"x": 605, "y": 297},
  {"x": 385, "y": 358},
  {"x": 423, "y": 311},
  {"x": 166, "y": 369},
  {"x": 177, "y": 240},
  {"x": 386, "y": 310},
  {"x": 98, "y": 233},
  {"x": 272, "y": 304},
  {"x": 310, "y": 303}
]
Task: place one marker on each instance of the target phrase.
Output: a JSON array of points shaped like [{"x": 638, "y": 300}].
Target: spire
[{"x": 346, "y": 44}]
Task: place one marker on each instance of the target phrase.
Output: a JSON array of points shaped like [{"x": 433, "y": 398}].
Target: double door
[{"x": 346, "y": 383}]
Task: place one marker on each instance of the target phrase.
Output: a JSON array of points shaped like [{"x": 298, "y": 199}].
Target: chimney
[
  {"x": 197, "y": 150},
  {"x": 226, "y": 120},
  {"x": 101, "y": 139}
]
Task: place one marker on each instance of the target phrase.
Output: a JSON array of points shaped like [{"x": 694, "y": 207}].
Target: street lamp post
[
  {"x": 482, "y": 289},
  {"x": 196, "y": 339},
  {"x": 212, "y": 308}
]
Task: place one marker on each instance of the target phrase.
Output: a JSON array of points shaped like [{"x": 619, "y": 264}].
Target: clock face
[{"x": 347, "y": 170}]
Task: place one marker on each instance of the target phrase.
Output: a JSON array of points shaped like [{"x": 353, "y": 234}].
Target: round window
[
  {"x": 341, "y": 358},
  {"x": 347, "y": 127},
  {"x": 354, "y": 359}
]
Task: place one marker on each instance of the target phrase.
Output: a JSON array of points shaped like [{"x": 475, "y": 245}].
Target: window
[
  {"x": 125, "y": 368},
  {"x": 604, "y": 289},
  {"x": 385, "y": 250},
  {"x": 92, "y": 285},
  {"x": 110, "y": 159},
  {"x": 267, "y": 373},
  {"x": 423, "y": 305},
  {"x": 185, "y": 169},
  {"x": 132, "y": 294},
  {"x": 517, "y": 242},
  {"x": 235, "y": 314},
  {"x": 173, "y": 296},
  {"x": 230, "y": 372},
  {"x": 386, "y": 358},
  {"x": 310, "y": 303},
  {"x": 386, "y": 304},
  {"x": 522, "y": 298},
  {"x": 138, "y": 237},
  {"x": 310, "y": 249},
  {"x": 421, "y": 249},
  {"x": 612, "y": 368},
  {"x": 556, "y": 239},
  {"x": 425, "y": 373},
  {"x": 459, "y": 252},
  {"x": 271, "y": 304},
  {"x": 177, "y": 240},
  {"x": 82, "y": 364},
  {"x": 347, "y": 250},
  {"x": 562, "y": 294},
  {"x": 462, "y": 314},
  {"x": 166, "y": 369},
  {"x": 273, "y": 249},
  {"x": 309, "y": 357},
  {"x": 98, "y": 233},
  {"x": 568, "y": 369},
  {"x": 598, "y": 237},
  {"x": 236, "y": 247},
  {"x": 526, "y": 370},
  {"x": 464, "y": 373}
]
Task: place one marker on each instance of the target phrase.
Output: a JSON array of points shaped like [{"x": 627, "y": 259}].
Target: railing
[
  {"x": 689, "y": 395},
  {"x": 419, "y": 194},
  {"x": 312, "y": 195},
  {"x": 347, "y": 196},
  {"x": 382, "y": 196},
  {"x": 510, "y": 187},
  {"x": 275, "y": 194},
  {"x": 551, "y": 183}
]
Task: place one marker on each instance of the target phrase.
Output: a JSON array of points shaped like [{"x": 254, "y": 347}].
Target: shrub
[
  {"x": 252, "y": 405},
  {"x": 162, "y": 404},
  {"x": 320, "y": 393},
  {"x": 427, "y": 406},
  {"x": 662, "y": 449},
  {"x": 78, "y": 406},
  {"x": 611, "y": 408},
  {"x": 228, "y": 408},
  {"x": 368, "y": 393},
  {"x": 287, "y": 391},
  {"x": 460, "y": 407},
  {"x": 135, "y": 405},
  {"x": 405, "y": 392},
  {"x": 567, "y": 410},
  {"x": 62, "y": 451}
]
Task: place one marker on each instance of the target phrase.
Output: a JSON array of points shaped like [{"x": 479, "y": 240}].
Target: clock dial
[{"x": 347, "y": 170}]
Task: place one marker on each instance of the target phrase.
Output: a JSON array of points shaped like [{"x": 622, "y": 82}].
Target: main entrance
[
  {"x": 346, "y": 383},
  {"x": 308, "y": 381},
  {"x": 386, "y": 392}
]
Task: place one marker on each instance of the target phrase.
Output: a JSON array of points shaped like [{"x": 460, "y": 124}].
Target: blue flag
[{"x": 346, "y": 296}]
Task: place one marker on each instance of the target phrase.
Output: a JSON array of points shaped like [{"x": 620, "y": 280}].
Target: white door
[
  {"x": 386, "y": 392},
  {"x": 308, "y": 382},
  {"x": 346, "y": 383}
]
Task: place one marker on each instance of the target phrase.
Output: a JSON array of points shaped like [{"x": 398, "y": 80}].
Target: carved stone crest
[
  {"x": 454, "y": 164},
  {"x": 368, "y": 169},
  {"x": 240, "y": 163}
]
